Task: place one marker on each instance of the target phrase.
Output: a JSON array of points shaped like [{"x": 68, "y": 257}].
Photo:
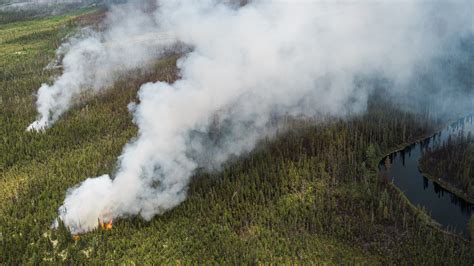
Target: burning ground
[
  {"x": 306, "y": 195},
  {"x": 231, "y": 80}
]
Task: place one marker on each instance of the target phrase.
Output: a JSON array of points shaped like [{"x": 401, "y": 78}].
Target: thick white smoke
[
  {"x": 247, "y": 66},
  {"x": 94, "y": 62}
]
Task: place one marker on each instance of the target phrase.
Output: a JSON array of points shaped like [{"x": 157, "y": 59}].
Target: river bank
[
  {"x": 447, "y": 185},
  {"x": 441, "y": 208}
]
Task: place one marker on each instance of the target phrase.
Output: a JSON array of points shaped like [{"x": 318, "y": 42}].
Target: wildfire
[{"x": 105, "y": 225}]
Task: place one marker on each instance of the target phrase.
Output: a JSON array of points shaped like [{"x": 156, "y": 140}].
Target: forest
[
  {"x": 312, "y": 193},
  {"x": 452, "y": 163},
  {"x": 10, "y": 13}
]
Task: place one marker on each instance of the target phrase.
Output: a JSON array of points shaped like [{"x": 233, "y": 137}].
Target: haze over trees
[{"x": 311, "y": 193}]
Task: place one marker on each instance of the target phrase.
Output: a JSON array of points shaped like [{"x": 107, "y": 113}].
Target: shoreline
[
  {"x": 424, "y": 217},
  {"x": 446, "y": 185}
]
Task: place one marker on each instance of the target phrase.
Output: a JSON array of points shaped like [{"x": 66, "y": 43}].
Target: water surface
[{"x": 451, "y": 211}]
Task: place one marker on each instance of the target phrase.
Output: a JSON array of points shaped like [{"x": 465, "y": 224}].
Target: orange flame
[{"x": 105, "y": 225}]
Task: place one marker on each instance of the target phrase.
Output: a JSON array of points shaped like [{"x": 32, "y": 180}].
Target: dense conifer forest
[
  {"x": 453, "y": 163},
  {"x": 311, "y": 194}
]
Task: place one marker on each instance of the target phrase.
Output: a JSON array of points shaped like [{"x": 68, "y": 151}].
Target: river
[{"x": 449, "y": 210}]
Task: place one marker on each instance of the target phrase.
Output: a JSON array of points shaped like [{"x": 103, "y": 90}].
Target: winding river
[{"x": 449, "y": 210}]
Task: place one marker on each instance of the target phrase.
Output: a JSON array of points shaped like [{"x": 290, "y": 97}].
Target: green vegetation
[
  {"x": 453, "y": 165},
  {"x": 311, "y": 194},
  {"x": 9, "y": 13},
  {"x": 25, "y": 49}
]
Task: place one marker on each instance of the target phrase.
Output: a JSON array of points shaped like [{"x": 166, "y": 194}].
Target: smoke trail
[
  {"x": 94, "y": 61},
  {"x": 249, "y": 65}
]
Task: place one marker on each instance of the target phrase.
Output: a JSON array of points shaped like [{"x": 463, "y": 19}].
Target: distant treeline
[
  {"x": 19, "y": 11},
  {"x": 311, "y": 195}
]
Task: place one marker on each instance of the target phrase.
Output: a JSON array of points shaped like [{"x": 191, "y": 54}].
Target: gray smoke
[
  {"x": 93, "y": 61},
  {"x": 248, "y": 65}
]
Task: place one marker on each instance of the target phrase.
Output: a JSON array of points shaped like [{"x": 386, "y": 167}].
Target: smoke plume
[
  {"x": 93, "y": 61},
  {"x": 247, "y": 66}
]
